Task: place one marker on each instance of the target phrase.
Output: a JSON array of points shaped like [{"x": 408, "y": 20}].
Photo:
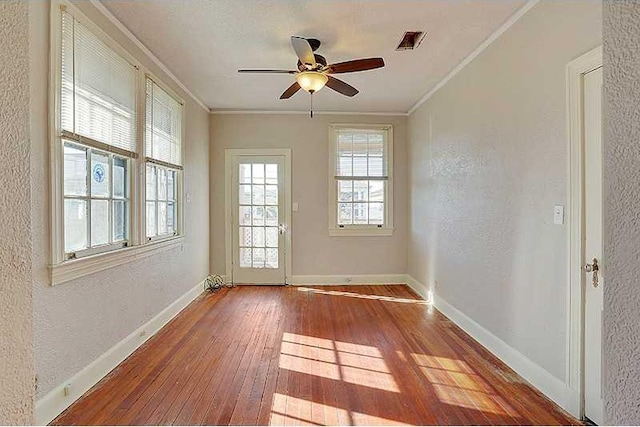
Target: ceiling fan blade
[
  {"x": 341, "y": 87},
  {"x": 269, "y": 71},
  {"x": 304, "y": 51},
  {"x": 356, "y": 65},
  {"x": 291, "y": 90}
]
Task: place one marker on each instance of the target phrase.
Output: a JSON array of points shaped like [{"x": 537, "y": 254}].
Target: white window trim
[
  {"x": 360, "y": 230},
  {"x": 62, "y": 270}
]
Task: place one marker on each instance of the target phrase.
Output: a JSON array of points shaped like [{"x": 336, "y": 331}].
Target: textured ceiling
[{"x": 205, "y": 42}]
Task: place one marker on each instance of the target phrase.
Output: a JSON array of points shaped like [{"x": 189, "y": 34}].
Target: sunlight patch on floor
[{"x": 364, "y": 296}]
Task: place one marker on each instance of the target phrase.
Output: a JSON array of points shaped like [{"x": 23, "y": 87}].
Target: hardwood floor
[{"x": 348, "y": 355}]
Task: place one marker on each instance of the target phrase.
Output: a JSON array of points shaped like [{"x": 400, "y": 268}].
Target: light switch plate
[
  {"x": 558, "y": 214},
  {"x": 295, "y": 206}
]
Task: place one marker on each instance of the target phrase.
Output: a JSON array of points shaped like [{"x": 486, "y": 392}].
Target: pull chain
[{"x": 311, "y": 105}]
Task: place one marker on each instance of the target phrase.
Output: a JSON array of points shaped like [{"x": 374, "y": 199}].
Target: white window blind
[
  {"x": 361, "y": 154},
  {"x": 98, "y": 91},
  {"x": 163, "y": 126}
]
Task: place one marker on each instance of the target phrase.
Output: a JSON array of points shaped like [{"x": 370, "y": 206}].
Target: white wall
[
  {"x": 16, "y": 346},
  {"x": 621, "y": 212},
  {"x": 77, "y": 321},
  {"x": 488, "y": 159},
  {"x": 314, "y": 252}
]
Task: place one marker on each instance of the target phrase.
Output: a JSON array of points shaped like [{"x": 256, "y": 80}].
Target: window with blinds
[
  {"x": 163, "y": 140},
  {"x": 360, "y": 180},
  {"x": 98, "y": 91},
  {"x": 97, "y": 131},
  {"x": 163, "y": 152}
]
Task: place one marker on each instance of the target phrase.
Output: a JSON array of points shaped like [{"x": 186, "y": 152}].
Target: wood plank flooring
[{"x": 338, "y": 355}]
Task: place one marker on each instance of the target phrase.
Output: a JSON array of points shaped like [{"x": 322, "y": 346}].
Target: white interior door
[
  {"x": 258, "y": 219},
  {"x": 593, "y": 262}
]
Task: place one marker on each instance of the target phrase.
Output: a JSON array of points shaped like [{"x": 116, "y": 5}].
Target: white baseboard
[
  {"x": 554, "y": 388},
  {"x": 419, "y": 288},
  {"x": 53, "y": 403},
  {"x": 358, "y": 279}
]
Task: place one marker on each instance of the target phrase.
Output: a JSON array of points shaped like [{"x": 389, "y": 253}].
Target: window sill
[
  {"x": 73, "y": 269},
  {"x": 359, "y": 232}
]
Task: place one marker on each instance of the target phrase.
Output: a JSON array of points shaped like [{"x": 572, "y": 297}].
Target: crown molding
[
  {"x": 322, "y": 113},
  {"x": 136, "y": 41},
  {"x": 485, "y": 44}
]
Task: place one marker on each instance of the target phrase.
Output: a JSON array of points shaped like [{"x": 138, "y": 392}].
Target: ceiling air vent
[{"x": 411, "y": 40}]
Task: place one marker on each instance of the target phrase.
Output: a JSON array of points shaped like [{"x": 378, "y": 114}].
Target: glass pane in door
[{"x": 258, "y": 215}]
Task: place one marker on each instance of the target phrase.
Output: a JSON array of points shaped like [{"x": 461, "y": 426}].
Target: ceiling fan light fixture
[{"x": 311, "y": 81}]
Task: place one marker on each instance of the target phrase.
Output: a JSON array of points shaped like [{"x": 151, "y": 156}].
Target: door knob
[{"x": 593, "y": 268}]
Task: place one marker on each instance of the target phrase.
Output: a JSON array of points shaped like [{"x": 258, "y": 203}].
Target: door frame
[
  {"x": 229, "y": 155},
  {"x": 575, "y": 72}
]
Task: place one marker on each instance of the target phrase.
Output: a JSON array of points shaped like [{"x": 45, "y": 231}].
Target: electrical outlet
[
  {"x": 143, "y": 333},
  {"x": 347, "y": 279}
]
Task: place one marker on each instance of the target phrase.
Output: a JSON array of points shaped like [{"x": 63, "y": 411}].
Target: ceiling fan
[{"x": 314, "y": 73}]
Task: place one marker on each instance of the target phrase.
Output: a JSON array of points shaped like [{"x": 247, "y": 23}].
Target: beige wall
[
  {"x": 77, "y": 321},
  {"x": 16, "y": 345},
  {"x": 313, "y": 251},
  {"x": 488, "y": 160},
  {"x": 621, "y": 212}
]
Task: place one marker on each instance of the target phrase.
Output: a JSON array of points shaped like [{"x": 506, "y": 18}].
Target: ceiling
[{"x": 205, "y": 42}]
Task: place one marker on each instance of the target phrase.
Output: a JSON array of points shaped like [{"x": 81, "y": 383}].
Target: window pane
[
  {"x": 245, "y": 173},
  {"x": 272, "y": 237},
  {"x": 164, "y": 125},
  {"x": 271, "y": 194},
  {"x": 75, "y": 171},
  {"x": 272, "y": 174},
  {"x": 245, "y": 236},
  {"x": 345, "y": 191},
  {"x": 162, "y": 218},
  {"x": 99, "y": 175},
  {"x": 360, "y": 213},
  {"x": 258, "y": 194},
  {"x": 244, "y": 216},
  {"x": 258, "y": 237},
  {"x": 171, "y": 218},
  {"x": 99, "y": 222},
  {"x": 359, "y": 166},
  {"x": 272, "y": 258},
  {"x": 376, "y": 166},
  {"x": 345, "y": 166},
  {"x": 345, "y": 213},
  {"x": 376, "y": 191},
  {"x": 345, "y": 147},
  {"x": 171, "y": 185},
  {"x": 376, "y": 144},
  {"x": 376, "y": 213},
  {"x": 119, "y": 220},
  {"x": 75, "y": 225},
  {"x": 272, "y": 215},
  {"x": 258, "y": 173},
  {"x": 151, "y": 219},
  {"x": 151, "y": 182},
  {"x": 360, "y": 144},
  {"x": 162, "y": 184},
  {"x": 119, "y": 177},
  {"x": 245, "y": 257},
  {"x": 361, "y": 191},
  {"x": 258, "y": 257},
  {"x": 245, "y": 194},
  {"x": 258, "y": 215}
]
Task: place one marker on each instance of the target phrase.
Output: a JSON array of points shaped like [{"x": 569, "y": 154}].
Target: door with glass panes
[{"x": 257, "y": 211}]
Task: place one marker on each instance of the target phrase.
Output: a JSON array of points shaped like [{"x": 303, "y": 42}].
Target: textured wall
[
  {"x": 314, "y": 251},
  {"x": 16, "y": 347},
  {"x": 488, "y": 158},
  {"x": 77, "y": 321},
  {"x": 622, "y": 211}
]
